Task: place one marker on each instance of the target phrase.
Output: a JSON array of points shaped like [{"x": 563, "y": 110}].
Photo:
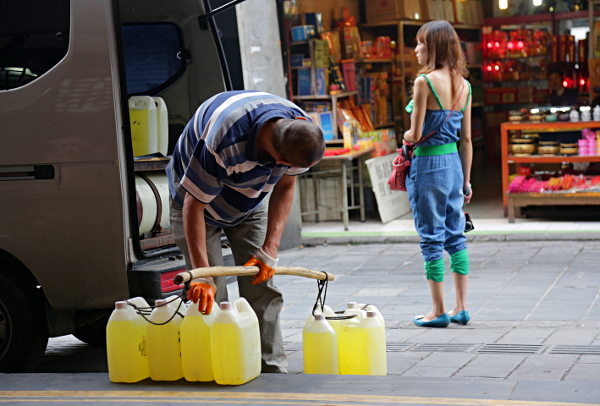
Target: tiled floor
[{"x": 486, "y": 211}]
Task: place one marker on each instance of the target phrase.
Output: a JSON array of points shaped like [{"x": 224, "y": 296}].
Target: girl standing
[{"x": 438, "y": 182}]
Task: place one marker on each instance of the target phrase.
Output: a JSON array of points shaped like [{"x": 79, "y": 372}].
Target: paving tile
[
  {"x": 584, "y": 373},
  {"x": 491, "y": 365},
  {"x": 544, "y": 367},
  {"x": 400, "y": 362},
  {"x": 526, "y": 336},
  {"x": 572, "y": 337},
  {"x": 453, "y": 360},
  {"x": 429, "y": 372}
]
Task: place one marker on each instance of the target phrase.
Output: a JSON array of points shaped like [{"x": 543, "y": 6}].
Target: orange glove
[
  {"x": 265, "y": 263},
  {"x": 202, "y": 292}
]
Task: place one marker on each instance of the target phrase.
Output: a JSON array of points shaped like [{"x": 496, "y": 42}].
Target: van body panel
[{"x": 70, "y": 231}]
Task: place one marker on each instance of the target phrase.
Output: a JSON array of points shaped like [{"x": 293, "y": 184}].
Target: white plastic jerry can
[
  {"x": 327, "y": 311},
  {"x": 347, "y": 334},
  {"x": 164, "y": 350},
  {"x": 236, "y": 350},
  {"x": 143, "y": 124},
  {"x": 372, "y": 358},
  {"x": 162, "y": 119},
  {"x": 320, "y": 347},
  {"x": 126, "y": 345},
  {"x": 196, "y": 344}
]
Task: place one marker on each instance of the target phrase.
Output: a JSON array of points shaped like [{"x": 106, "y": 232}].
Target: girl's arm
[
  {"x": 421, "y": 92},
  {"x": 466, "y": 152}
]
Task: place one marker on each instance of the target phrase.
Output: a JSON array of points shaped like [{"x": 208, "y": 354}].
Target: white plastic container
[
  {"x": 126, "y": 345},
  {"x": 362, "y": 347},
  {"x": 162, "y": 119},
  {"x": 236, "y": 350},
  {"x": 164, "y": 350},
  {"x": 328, "y": 312},
  {"x": 196, "y": 344},
  {"x": 177, "y": 304},
  {"x": 143, "y": 122},
  {"x": 141, "y": 304},
  {"x": 320, "y": 347}
]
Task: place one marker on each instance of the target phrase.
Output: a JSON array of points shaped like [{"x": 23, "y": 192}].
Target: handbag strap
[{"x": 462, "y": 89}]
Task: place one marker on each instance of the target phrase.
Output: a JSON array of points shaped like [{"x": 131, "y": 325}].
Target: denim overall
[{"x": 435, "y": 191}]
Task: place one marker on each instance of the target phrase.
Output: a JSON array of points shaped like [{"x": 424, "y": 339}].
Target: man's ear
[{"x": 301, "y": 118}]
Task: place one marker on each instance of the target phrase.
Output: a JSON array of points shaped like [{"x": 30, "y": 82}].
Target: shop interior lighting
[
  {"x": 537, "y": 3},
  {"x": 502, "y": 4}
]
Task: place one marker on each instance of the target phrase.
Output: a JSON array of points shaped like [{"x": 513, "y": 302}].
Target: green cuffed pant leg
[
  {"x": 459, "y": 262},
  {"x": 434, "y": 270}
]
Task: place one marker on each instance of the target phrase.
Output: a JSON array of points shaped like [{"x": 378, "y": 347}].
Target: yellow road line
[{"x": 208, "y": 397}]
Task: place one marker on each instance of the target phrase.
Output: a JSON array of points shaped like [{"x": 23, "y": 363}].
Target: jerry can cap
[
  {"x": 371, "y": 314},
  {"x": 226, "y": 306},
  {"x": 319, "y": 316},
  {"x": 120, "y": 305},
  {"x": 160, "y": 302}
]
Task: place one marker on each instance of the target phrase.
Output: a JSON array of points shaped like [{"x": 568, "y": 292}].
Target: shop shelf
[{"x": 507, "y": 159}]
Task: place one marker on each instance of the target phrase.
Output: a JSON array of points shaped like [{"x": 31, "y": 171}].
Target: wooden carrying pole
[{"x": 248, "y": 271}]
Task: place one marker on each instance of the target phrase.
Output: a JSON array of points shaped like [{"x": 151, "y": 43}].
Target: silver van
[{"x": 71, "y": 242}]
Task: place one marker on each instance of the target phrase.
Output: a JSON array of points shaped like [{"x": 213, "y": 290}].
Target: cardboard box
[
  {"x": 448, "y": 6},
  {"x": 389, "y": 10},
  {"x": 432, "y": 10}
]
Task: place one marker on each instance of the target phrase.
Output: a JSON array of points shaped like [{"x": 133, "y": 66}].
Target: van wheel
[
  {"x": 23, "y": 330},
  {"x": 93, "y": 333}
]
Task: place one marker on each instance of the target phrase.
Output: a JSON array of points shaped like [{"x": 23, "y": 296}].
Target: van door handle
[{"x": 26, "y": 172}]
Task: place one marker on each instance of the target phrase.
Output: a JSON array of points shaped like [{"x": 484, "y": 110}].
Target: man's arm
[
  {"x": 280, "y": 205},
  {"x": 195, "y": 231}
]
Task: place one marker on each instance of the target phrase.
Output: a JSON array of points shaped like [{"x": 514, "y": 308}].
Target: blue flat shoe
[
  {"x": 461, "y": 318},
  {"x": 441, "y": 321}
]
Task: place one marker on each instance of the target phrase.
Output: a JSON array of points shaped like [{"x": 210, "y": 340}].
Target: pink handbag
[{"x": 397, "y": 179}]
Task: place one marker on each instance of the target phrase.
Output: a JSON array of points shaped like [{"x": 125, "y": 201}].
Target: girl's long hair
[{"x": 443, "y": 49}]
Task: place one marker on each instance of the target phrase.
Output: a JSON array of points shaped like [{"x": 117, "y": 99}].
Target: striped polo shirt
[{"x": 215, "y": 158}]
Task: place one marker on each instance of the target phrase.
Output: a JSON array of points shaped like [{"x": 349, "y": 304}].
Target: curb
[{"x": 505, "y": 237}]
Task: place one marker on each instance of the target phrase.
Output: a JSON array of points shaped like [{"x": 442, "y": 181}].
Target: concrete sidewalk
[{"x": 534, "y": 305}]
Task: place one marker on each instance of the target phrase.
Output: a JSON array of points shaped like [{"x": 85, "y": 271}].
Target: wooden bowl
[
  {"x": 521, "y": 148},
  {"x": 568, "y": 149},
  {"x": 548, "y": 150}
]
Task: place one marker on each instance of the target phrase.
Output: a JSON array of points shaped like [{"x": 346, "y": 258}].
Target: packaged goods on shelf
[
  {"x": 380, "y": 10},
  {"x": 570, "y": 183}
]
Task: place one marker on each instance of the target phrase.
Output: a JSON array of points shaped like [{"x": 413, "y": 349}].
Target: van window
[
  {"x": 153, "y": 57},
  {"x": 34, "y": 37}
]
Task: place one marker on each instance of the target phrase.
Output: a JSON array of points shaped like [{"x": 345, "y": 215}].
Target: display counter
[{"x": 512, "y": 202}]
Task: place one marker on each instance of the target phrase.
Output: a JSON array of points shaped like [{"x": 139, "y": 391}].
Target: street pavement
[{"x": 534, "y": 337}]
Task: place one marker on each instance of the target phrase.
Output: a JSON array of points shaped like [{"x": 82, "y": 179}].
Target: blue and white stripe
[{"x": 215, "y": 158}]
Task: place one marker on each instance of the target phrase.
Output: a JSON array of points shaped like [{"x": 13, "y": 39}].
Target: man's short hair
[{"x": 300, "y": 142}]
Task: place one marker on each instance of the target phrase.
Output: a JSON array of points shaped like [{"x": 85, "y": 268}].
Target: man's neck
[{"x": 263, "y": 140}]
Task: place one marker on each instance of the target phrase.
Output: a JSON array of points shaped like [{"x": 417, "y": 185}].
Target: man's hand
[
  {"x": 202, "y": 293},
  {"x": 265, "y": 263}
]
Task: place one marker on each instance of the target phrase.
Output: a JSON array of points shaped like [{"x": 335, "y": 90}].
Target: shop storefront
[{"x": 535, "y": 82}]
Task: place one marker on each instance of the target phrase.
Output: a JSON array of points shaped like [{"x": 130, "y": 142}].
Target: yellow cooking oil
[
  {"x": 164, "y": 350},
  {"x": 362, "y": 346},
  {"x": 143, "y": 124},
  {"x": 236, "y": 351},
  {"x": 347, "y": 335},
  {"x": 126, "y": 345},
  {"x": 320, "y": 347},
  {"x": 196, "y": 347},
  {"x": 372, "y": 332}
]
